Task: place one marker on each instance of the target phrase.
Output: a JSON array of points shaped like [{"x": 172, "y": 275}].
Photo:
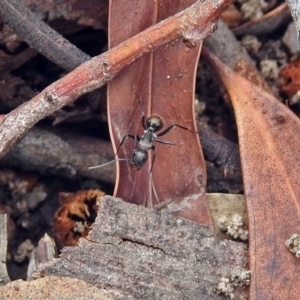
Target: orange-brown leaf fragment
[
  {"x": 75, "y": 216},
  {"x": 269, "y": 139},
  {"x": 290, "y": 76}
]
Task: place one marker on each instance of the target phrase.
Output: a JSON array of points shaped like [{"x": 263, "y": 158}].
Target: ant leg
[
  {"x": 135, "y": 137},
  {"x": 164, "y": 142},
  {"x": 172, "y": 126},
  {"x": 153, "y": 189},
  {"x": 153, "y": 158},
  {"x": 142, "y": 113}
]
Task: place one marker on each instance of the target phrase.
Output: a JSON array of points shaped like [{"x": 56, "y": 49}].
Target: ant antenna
[
  {"x": 144, "y": 124},
  {"x": 108, "y": 163}
]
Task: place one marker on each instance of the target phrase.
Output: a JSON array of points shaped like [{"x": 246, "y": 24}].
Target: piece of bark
[
  {"x": 147, "y": 254},
  {"x": 4, "y": 278},
  {"x": 44, "y": 252},
  {"x": 53, "y": 288},
  {"x": 49, "y": 153}
]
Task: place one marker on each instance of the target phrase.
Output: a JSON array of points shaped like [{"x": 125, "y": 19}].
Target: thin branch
[
  {"x": 192, "y": 24},
  {"x": 40, "y": 36},
  {"x": 59, "y": 152}
]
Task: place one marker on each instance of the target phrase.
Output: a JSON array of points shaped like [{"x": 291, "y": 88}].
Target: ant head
[{"x": 155, "y": 122}]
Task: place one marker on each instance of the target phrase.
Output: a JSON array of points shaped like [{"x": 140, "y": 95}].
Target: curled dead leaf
[{"x": 269, "y": 142}]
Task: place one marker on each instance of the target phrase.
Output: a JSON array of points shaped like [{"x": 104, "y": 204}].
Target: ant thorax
[{"x": 146, "y": 143}]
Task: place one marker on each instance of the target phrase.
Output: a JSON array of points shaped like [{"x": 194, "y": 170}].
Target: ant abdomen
[{"x": 139, "y": 158}]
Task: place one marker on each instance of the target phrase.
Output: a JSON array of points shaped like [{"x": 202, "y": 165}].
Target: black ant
[{"x": 145, "y": 142}]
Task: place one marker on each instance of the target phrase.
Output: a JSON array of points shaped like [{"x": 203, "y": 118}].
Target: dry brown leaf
[
  {"x": 164, "y": 83},
  {"x": 269, "y": 139}
]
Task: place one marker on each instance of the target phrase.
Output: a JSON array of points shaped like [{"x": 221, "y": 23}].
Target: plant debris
[
  {"x": 239, "y": 277},
  {"x": 293, "y": 244},
  {"x": 234, "y": 226}
]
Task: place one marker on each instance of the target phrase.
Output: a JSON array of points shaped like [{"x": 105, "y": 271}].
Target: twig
[
  {"x": 192, "y": 24},
  {"x": 40, "y": 36},
  {"x": 61, "y": 153}
]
